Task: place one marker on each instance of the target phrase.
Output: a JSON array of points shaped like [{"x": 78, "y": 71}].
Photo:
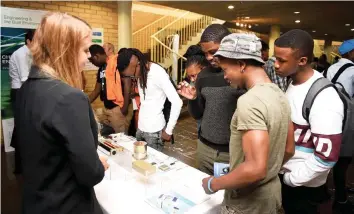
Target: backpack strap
[
  {"x": 316, "y": 88},
  {"x": 325, "y": 72},
  {"x": 340, "y": 71}
]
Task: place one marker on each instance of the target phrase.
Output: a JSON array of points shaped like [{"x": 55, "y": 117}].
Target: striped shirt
[{"x": 270, "y": 70}]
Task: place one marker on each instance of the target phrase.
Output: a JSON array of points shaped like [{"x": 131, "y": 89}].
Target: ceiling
[{"x": 324, "y": 17}]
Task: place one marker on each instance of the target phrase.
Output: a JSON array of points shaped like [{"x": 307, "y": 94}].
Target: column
[
  {"x": 273, "y": 35},
  {"x": 328, "y": 49},
  {"x": 124, "y": 24}
]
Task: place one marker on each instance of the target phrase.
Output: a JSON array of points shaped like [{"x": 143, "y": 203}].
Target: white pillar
[
  {"x": 175, "y": 48},
  {"x": 124, "y": 24},
  {"x": 273, "y": 35}
]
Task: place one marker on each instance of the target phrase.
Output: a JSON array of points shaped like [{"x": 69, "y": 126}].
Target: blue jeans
[{"x": 152, "y": 139}]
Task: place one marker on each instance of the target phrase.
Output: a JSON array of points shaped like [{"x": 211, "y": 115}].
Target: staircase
[
  {"x": 189, "y": 27},
  {"x": 155, "y": 39}
]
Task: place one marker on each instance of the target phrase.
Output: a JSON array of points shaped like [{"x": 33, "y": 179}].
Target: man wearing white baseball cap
[{"x": 262, "y": 136}]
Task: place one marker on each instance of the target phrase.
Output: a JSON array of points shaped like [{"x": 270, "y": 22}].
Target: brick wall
[{"x": 98, "y": 14}]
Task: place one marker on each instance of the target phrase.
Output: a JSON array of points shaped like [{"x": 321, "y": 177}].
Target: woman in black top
[{"x": 55, "y": 125}]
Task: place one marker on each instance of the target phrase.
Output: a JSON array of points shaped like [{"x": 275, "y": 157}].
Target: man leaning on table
[{"x": 259, "y": 142}]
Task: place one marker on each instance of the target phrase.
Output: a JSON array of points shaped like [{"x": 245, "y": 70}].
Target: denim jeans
[{"x": 152, "y": 139}]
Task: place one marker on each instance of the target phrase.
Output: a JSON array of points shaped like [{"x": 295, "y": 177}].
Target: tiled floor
[
  {"x": 185, "y": 146},
  {"x": 184, "y": 149}
]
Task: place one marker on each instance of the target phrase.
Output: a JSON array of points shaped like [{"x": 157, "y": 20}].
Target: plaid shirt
[{"x": 270, "y": 70}]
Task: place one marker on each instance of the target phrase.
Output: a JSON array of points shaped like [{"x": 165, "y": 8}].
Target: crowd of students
[
  {"x": 266, "y": 168},
  {"x": 279, "y": 154}
]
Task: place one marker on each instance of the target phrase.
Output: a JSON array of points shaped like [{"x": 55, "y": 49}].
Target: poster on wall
[
  {"x": 15, "y": 23},
  {"x": 97, "y": 38}
]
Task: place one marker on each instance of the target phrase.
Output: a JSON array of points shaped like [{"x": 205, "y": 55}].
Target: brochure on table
[{"x": 163, "y": 190}]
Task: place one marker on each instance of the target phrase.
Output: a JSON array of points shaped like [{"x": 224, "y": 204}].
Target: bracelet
[{"x": 209, "y": 184}]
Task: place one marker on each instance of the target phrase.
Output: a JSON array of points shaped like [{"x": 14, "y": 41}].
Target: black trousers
[
  {"x": 13, "y": 95},
  {"x": 340, "y": 178},
  {"x": 304, "y": 200}
]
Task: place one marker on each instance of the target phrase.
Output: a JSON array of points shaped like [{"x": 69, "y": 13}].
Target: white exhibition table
[{"x": 125, "y": 191}]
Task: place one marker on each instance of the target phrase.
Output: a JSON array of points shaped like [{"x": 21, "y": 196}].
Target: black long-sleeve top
[{"x": 57, "y": 142}]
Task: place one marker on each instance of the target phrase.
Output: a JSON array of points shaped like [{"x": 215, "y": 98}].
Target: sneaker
[{"x": 342, "y": 208}]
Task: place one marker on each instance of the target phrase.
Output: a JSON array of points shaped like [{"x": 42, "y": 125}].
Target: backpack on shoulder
[{"x": 347, "y": 146}]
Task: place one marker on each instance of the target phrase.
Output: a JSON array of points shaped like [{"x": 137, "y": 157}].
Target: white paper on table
[
  {"x": 8, "y": 127},
  {"x": 193, "y": 193}
]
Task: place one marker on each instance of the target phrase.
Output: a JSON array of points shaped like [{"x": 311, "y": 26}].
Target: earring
[{"x": 243, "y": 70}]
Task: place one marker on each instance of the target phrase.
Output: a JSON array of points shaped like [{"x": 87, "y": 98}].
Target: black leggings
[{"x": 340, "y": 177}]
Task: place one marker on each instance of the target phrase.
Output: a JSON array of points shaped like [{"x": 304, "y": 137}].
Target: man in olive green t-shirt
[{"x": 259, "y": 142}]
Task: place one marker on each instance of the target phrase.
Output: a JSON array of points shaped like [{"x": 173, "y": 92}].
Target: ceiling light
[
  {"x": 347, "y": 24},
  {"x": 231, "y": 7},
  {"x": 296, "y": 12},
  {"x": 297, "y": 21},
  {"x": 237, "y": 24},
  {"x": 326, "y": 34},
  {"x": 255, "y": 24},
  {"x": 313, "y": 31},
  {"x": 352, "y": 29},
  {"x": 241, "y": 25},
  {"x": 249, "y": 26},
  {"x": 247, "y": 17}
]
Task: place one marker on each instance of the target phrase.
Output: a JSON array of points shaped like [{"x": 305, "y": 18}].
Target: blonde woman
[{"x": 56, "y": 129}]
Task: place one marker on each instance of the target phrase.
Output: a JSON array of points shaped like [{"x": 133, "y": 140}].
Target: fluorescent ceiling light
[
  {"x": 297, "y": 21},
  {"x": 231, "y": 7}
]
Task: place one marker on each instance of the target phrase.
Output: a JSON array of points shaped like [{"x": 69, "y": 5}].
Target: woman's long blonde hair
[{"x": 56, "y": 45}]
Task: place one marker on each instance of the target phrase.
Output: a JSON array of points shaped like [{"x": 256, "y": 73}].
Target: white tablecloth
[{"x": 122, "y": 191}]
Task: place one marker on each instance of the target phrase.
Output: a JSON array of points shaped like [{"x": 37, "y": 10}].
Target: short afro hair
[
  {"x": 96, "y": 49},
  {"x": 29, "y": 35},
  {"x": 214, "y": 33},
  {"x": 297, "y": 40}
]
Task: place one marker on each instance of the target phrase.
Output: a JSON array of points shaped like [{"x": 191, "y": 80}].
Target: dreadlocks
[{"x": 123, "y": 61}]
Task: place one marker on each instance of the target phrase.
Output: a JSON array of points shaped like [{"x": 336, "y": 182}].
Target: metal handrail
[
  {"x": 186, "y": 26},
  {"x": 179, "y": 18},
  {"x": 154, "y": 22},
  {"x": 168, "y": 48}
]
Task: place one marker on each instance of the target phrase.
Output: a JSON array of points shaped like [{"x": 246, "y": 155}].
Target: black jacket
[{"x": 57, "y": 142}]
